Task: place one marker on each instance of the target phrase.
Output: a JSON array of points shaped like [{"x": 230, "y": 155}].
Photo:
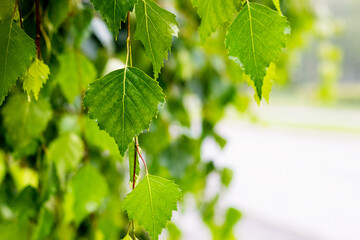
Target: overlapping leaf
[
  {"x": 114, "y": 12},
  {"x": 35, "y": 77},
  {"x": 75, "y": 73},
  {"x": 255, "y": 39},
  {"x": 123, "y": 103},
  {"x": 25, "y": 121},
  {"x": 155, "y": 28},
  {"x": 85, "y": 193},
  {"x": 66, "y": 152},
  {"x": 214, "y": 13},
  {"x": 277, "y": 5},
  {"x": 16, "y": 53},
  {"x": 151, "y": 203}
]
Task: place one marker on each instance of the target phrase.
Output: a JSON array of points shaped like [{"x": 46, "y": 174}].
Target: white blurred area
[{"x": 293, "y": 182}]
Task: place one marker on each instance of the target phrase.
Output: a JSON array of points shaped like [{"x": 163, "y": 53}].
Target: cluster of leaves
[{"x": 63, "y": 142}]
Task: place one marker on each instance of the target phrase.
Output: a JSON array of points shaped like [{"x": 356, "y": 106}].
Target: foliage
[{"x": 63, "y": 172}]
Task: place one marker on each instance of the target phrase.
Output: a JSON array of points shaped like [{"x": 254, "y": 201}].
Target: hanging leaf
[
  {"x": 132, "y": 152},
  {"x": 75, "y": 73},
  {"x": 66, "y": 152},
  {"x": 277, "y": 5},
  {"x": 213, "y": 14},
  {"x": 151, "y": 203},
  {"x": 114, "y": 12},
  {"x": 6, "y": 10},
  {"x": 16, "y": 52},
  {"x": 123, "y": 103},
  {"x": 25, "y": 121},
  {"x": 85, "y": 193},
  {"x": 155, "y": 28},
  {"x": 35, "y": 77},
  {"x": 255, "y": 39}
]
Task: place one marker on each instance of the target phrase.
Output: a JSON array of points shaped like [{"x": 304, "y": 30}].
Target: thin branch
[{"x": 38, "y": 28}]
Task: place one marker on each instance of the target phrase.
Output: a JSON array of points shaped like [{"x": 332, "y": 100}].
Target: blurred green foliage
[{"x": 63, "y": 178}]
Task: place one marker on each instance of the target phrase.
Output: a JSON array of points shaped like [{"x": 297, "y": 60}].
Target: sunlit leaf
[
  {"x": 255, "y": 39},
  {"x": 151, "y": 203},
  {"x": 155, "y": 28},
  {"x": 35, "y": 77}
]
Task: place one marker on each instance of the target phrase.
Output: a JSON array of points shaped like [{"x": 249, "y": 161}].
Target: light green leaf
[
  {"x": 277, "y": 5},
  {"x": 151, "y": 203},
  {"x": 127, "y": 237},
  {"x": 132, "y": 152},
  {"x": 114, "y": 12},
  {"x": 16, "y": 53},
  {"x": 35, "y": 77},
  {"x": 25, "y": 121},
  {"x": 213, "y": 13},
  {"x": 85, "y": 193},
  {"x": 75, "y": 73},
  {"x": 255, "y": 39},
  {"x": 66, "y": 152},
  {"x": 123, "y": 103},
  {"x": 46, "y": 221},
  {"x": 155, "y": 28},
  {"x": 96, "y": 137},
  {"x": 267, "y": 83}
]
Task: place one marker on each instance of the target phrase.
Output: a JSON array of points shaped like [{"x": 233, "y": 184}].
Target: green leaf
[
  {"x": 132, "y": 152},
  {"x": 155, "y": 28},
  {"x": 6, "y": 9},
  {"x": 277, "y": 5},
  {"x": 35, "y": 77},
  {"x": 25, "y": 121},
  {"x": 127, "y": 237},
  {"x": 151, "y": 203},
  {"x": 58, "y": 12},
  {"x": 16, "y": 53},
  {"x": 213, "y": 13},
  {"x": 66, "y": 152},
  {"x": 267, "y": 83},
  {"x": 2, "y": 166},
  {"x": 114, "y": 12},
  {"x": 46, "y": 221},
  {"x": 75, "y": 73},
  {"x": 85, "y": 193},
  {"x": 255, "y": 39},
  {"x": 96, "y": 137},
  {"x": 123, "y": 103}
]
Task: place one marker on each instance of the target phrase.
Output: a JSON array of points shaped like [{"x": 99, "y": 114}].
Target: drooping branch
[{"x": 38, "y": 28}]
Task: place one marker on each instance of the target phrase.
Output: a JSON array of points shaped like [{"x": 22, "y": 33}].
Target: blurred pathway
[{"x": 294, "y": 183}]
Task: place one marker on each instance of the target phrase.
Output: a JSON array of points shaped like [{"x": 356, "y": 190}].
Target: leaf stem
[
  {"x": 37, "y": 5},
  {"x": 142, "y": 159},
  {"x": 135, "y": 161}
]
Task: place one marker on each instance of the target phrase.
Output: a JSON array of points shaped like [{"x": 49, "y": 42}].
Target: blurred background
[{"x": 284, "y": 170}]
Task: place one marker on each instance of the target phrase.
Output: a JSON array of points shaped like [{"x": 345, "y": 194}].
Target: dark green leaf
[{"x": 123, "y": 103}]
